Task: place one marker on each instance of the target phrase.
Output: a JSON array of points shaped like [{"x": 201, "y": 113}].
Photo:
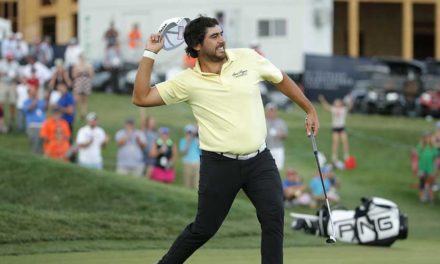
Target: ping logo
[{"x": 240, "y": 73}]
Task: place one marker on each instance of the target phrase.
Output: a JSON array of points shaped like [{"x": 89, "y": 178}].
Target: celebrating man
[{"x": 222, "y": 90}]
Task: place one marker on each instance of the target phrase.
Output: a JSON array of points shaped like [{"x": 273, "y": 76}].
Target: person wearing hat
[
  {"x": 130, "y": 157},
  {"x": 276, "y": 134},
  {"x": 295, "y": 190},
  {"x": 223, "y": 92},
  {"x": 190, "y": 151},
  {"x": 165, "y": 153},
  {"x": 90, "y": 140}
]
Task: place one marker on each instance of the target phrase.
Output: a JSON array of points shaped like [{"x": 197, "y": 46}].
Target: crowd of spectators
[{"x": 44, "y": 95}]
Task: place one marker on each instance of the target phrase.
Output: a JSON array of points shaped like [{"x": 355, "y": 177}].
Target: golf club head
[{"x": 331, "y": 240}]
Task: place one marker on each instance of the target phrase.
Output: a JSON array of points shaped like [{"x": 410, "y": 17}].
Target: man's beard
[{"x": 215, "y": 57}]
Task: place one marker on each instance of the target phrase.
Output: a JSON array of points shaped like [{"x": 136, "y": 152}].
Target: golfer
[{"x": 222, "y": 90}]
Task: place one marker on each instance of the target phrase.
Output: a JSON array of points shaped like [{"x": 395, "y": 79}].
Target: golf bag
[{"x": 376, "y": 222}]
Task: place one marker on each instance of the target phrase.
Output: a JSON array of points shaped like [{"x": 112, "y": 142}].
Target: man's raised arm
[{"x": 143, "y": 93}]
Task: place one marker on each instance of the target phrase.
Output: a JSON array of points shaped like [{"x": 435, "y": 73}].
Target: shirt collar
[{"x": 230, "y": 58}]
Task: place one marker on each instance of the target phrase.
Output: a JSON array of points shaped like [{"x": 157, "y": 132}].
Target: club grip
[{"x": 312, "y": 139}]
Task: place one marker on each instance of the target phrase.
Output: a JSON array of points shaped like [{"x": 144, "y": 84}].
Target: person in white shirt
[
  {"x": 8, "y": 45},
  {"x": 21, "y": 50},
  {"x": 276, "y": 134},
  {"x": 9, "y": 73},
  {"x": 22, "y": 96},
  {"x": 90, "y": 140},
  {"x": 41, "y": 71},
  {"x": 339, "y": 113},
  {"x": 72, "y": 53}
]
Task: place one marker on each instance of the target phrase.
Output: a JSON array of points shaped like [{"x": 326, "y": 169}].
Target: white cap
[{"x": 91, "y": 116}]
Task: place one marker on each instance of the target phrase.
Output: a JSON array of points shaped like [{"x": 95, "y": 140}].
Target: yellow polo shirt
[{"x": 227, "y": 106}]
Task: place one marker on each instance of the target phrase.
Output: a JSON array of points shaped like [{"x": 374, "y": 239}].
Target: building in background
[
  {"x": 402, "y": 28},
  {"x": 284, "y": 29},
  {"x": 39, "y": 18}
]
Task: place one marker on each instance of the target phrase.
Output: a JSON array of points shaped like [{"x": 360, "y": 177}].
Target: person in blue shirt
[
  {"x": 67, "y": 105},
  {"x": 190, "y": 151},
  {"x": 34, "y": 114},
  {"x": 330, "y": 184},
  {"x": 295, "y": 190}
]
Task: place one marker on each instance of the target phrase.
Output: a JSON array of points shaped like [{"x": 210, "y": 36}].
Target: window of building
[
  {"x": 49, "y": 28},
  {"x": 47, "y": 2},
  {"x": 263, "y": 28},
  {"x": 272, "y": 28},
  {"x": 9, "y": 11},
  {"x": 280, "y": 27},
  {"x": 75, "y": 25}
]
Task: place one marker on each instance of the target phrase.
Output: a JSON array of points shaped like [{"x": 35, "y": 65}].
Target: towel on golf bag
[{"x": 376, "y": 222}]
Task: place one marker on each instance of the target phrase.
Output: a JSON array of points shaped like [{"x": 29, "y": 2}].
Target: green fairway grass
[
  {"x": 404, "y": 253},
  {"x": 54, "y": 207}
]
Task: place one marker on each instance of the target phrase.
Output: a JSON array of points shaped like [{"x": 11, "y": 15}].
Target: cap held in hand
[{"x": 172, "y": 32}]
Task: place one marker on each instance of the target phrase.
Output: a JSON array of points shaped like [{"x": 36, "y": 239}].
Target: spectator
[
  {"x": 9, "y": 72},
  {"x": 149, "y": 129},
  {"x": 111, "y": 35},
  {"x": 339, "y": 114},
  {"x": 54, "y": 132},
  {"x": 295, "y": 191},
  {"x": 90, "y": 140},
  {"x": 35, "y": 116},
  {"x": 330, "y": 184},
  {"x": 113, "y": 63},
  {"x": 59, "y": 75},
  {"x": 22, "y": 96},
  {"x": 58, "y": 147},
  {"x": 35, "y": 68},
  {"x": 45, "y": 52},
  {"x": 134, "y": 42},
  {"x": 427, "y": 154},
  {"x": 190, "y": 151},
  {"x": 67, "y": 105},
  {"x": 8, "y": 45},
  {"x": 276, "y": 134},
  {"x": 82, "y": 84},
  {"x": 165, "y": 153},
  {"x": 188, "y": 61},
  {"x": 21, "y": 48},
  {"x": 72, "y": 53},
  {"x": 131, "y": 142}
]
